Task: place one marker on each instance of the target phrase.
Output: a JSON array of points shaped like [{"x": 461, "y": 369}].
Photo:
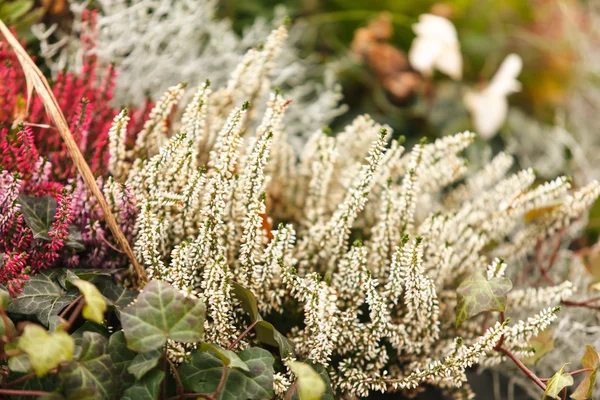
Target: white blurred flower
[
  {"x": 436, "y": 46},
  {"x": 489, "y": 107}
]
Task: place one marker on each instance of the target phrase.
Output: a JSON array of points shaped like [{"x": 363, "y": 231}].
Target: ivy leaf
[
  {"x": 87, "y": 327},
  {"x": 95, "y": 306},
  {"x": 162, "y": 312},
  {"x": 19, "y": 363},
  {"x": 558, "y": 382},
  {"x": 93, "y": 371},
  {"x": 38, "y": 213},
  {"x": 201, "y": 374},
  {"x": 42, "y": 296},
  {"x": 144, "y": 362},
  {"x": 586, "y": 386},
  {"x": 265, "y": 331},
  {"x": 477, "y": 294},
  {"x": 322, "y": 372},
  {"x": 46, "y": 351},
  {"x": 146, "y": 389},
  {"x": 118, "y": 296},
  {"x": 248, "y": 300},
  {"x": 228, "y": 357},
  {"x": 121, "y": 358},
  {"x": 542, "y": 344},
  {"x": 310, "y": 385}
]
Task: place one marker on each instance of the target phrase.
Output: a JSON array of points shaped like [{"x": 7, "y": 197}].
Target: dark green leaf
[
  {"x": 88, "y": 327},
  {"x": 74, "y": 239},
  {"x": 557, "y": 383},
  {"x": 146, "y": 389},
  {"x": 48, "y": 383},
  {"x": 266, "y": 333},
  {"x": 93, "y": 370},
  {"x": 477, "y": 294},
  {"x": 162, "y": 312},
  {"x": 202, "y": 374},
  {"x": 121, "y": 358},
  {"x": 117, "y": 296},
  {"x": 248, "y": 300},
  {"x": 38, "y": 213},
  {"x": 42, "y": 296},
  {"x": 144, "y": 362},
  {"x": 228, "y": 357}
]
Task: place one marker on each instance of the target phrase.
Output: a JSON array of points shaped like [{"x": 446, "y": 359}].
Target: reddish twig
[
  {"x": 236, "y": 341},
  {"x": 522, "y": 367},
  {"x": 32, "y": 393},
  {"x": 70, "y": 306},
  {"x": 180, "y": 389},
  {"x": 74, "y": 315}
]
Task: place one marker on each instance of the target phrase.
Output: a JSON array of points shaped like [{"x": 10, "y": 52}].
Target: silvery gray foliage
[{"x": 156, "y": 43}]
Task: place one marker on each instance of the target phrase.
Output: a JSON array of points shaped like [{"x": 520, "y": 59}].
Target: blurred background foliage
[{"x": 488, "y": 30}]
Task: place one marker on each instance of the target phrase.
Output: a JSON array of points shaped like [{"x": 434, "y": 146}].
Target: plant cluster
[{"x": 350, "y": 268}]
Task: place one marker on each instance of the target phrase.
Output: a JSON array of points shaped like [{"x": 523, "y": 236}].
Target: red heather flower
[{"x": 35, "y": 166}]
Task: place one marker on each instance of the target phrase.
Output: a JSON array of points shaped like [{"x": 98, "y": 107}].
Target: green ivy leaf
[
  {"x": 162, "y": 312},
  {"x": 39, "y": 213},
  {"x": 477, "y": 294},
  {"x": 228, "y": 357},
  {"x": 87, "y": 327},
  {"x": 146, "y": 389},
  {"x": 247, "y": 299},
  {"x": 558, "y": 382},
  {"x": 43, "y": 297},
  {"x": 265, "y": 331},
  {"x": 310, "y": 385},
  {"x": 48, "y": 383},
  {"x": 117, "y": 296},
  {"x": 585, "y": 388},
  {"x": 121, "y": 358},
  {"x": 144, "y": 362},
  {"x": 46, "y": 351},
  {"x": 201, "y": 374},
  {"x": 93, "y": 371},
  {"x": 95, "y": 306},
  {"x": 4, "y": 295},
  {"x": 541, "y": 344}
]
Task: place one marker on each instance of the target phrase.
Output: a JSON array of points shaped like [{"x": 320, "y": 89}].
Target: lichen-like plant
[{"x": 408, "y": 303}]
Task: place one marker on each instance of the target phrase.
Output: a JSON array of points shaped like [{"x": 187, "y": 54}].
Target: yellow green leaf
[
  {"x": 46, "y": 351},
  {"x": 586, "y": 386},
  {"x": 95, "y": 305},
  {"x": 542, "y": 344},
  {"x": 557, "y": 383},
  {"x": 310, "y": 384}
]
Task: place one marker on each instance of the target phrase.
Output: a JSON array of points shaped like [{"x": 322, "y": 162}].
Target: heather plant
[
  {"x": 351, "y": 268},
  {"x": 408, "y": 303}
]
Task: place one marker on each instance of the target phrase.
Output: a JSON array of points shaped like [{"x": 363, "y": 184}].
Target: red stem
[
  {"x": 24, "y": 392},
  {"x": 522, "y": 367}
]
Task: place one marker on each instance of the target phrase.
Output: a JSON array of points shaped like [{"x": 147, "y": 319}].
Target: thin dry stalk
[{"x": 35, "y": 80}]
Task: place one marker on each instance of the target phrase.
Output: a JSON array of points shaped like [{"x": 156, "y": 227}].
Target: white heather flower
[
  {"x": 154, "y": 133},
  {"x": 117, "y": 136},
  {"x": 436, "y": 47},
  {"x": 489, "y": 107}
]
